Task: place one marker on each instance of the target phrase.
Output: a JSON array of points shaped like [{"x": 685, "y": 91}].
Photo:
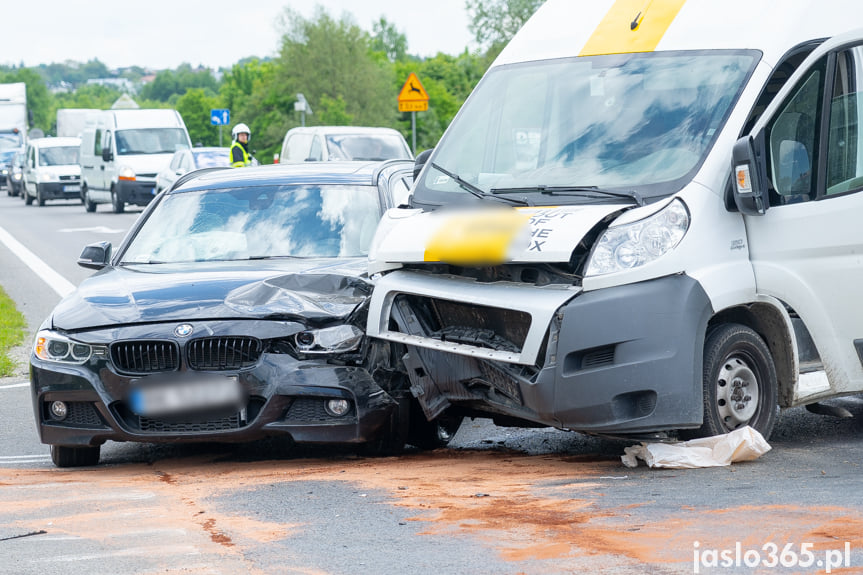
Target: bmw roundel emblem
[{"x": 183, "y": 330}]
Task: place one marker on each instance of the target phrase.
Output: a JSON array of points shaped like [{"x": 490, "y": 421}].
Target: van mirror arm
[{"x": 750, "y": 170}]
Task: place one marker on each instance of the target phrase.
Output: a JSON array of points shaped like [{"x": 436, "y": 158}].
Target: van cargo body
[
  {"x": 13, "y": 115},
  {"x": 123, "y": 150},
  {"x": 582, "y": 252}
]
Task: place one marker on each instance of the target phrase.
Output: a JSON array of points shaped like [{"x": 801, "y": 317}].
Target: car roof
[
  {"x": 343, "y": 130},
  {"x": 357, "y": 173}
]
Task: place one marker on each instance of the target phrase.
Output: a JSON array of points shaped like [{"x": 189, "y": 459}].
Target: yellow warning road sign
[{"x": 413, "y": 97}]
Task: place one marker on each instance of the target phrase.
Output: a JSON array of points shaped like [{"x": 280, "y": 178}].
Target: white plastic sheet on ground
[{"x": 744, "y": 444}]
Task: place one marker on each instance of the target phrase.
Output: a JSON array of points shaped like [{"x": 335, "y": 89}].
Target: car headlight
[
  {"x": 631, "y": 245},
  {"x": 43, "y": 178},
  {"x": 126, "y": 173},
  {"x": 51, "y": 346},
  {"x": 16, "y": 176},
  {"x": 338, "y": 339}
]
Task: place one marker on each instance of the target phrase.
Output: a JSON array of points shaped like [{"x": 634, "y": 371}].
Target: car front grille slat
[
  {"x": 223, "y": 353},
  {"x": 145, "y": 356}
]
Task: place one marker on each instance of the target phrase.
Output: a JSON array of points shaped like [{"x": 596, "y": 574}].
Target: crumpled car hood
[{"x": 318, "y": 289}]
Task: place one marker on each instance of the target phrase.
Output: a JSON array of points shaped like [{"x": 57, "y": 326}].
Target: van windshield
[
  {"x": 151, "y": 141},
  {"x": 634, "y": 122},
  {"x": 59, "y": 156}
]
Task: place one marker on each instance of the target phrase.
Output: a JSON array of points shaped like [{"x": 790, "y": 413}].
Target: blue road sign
[{"x": 220, "y": 117}]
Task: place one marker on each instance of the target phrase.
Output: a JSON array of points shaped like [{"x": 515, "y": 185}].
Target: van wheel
[
  {"x": 89, "y": 204},
  {"x": 117, "y": 205},
  {"x": 432, "y": 434},
  {"x": 39, "y": 199},
  {"x": 739, "y": 382},
  {"x": 28, "y": 199},
  {"x": 64, "y": 456}
]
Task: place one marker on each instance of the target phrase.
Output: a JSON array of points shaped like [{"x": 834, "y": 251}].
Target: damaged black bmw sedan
[{"x": 233, "y": 310}]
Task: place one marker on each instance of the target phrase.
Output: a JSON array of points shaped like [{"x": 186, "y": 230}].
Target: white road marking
[
  {"x": 20, "y": 457},
  {"x": 96, "y": 229},
  {"x": 137, "y": 552},
  {"x": 54, "y": 280},
  {"x": 14, "y": 385}
]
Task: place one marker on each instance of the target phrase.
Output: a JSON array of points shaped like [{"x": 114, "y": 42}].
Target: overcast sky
[{"x": 163, "y": 34}]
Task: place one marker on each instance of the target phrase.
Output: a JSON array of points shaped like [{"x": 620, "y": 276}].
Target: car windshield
[
  {"x": 633, "y": 122},
  {"x": 59, "y": 156},
  {"x": 366, "y": 147},
  {"x": 258, "y": 222},
  {"x": 212, "y": 158},
  {"x": 11, "y": 139},
  {"x": 6, "y": 156},
  {"x": 151, "y": 141}
]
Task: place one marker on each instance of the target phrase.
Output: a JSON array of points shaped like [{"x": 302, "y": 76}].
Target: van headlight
[
  {"x": 338, "y": 339},
  {"x": 632, "y": 245},
  {"x": 126, "y": 173},
  {"x": 44, "y": 178},
  {"x": 51, "y": 346}
]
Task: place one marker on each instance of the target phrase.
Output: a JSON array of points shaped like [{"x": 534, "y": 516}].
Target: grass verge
[{"x": 12, "y": 331}]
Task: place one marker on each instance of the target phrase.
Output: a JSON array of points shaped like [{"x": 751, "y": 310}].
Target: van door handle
[{"x": 102, "y": 168}]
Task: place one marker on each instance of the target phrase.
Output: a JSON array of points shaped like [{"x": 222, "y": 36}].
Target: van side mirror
[
  {"x": 420, "y": 161},
  {"x": 107, "y": 155},
  {"x": 95, "y": 256},
  {"x": 750, "y": 175}
]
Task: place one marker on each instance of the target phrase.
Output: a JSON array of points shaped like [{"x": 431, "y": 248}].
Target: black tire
[
  {"x": 89, "y": 204},
  {"x": 739, "y": 382},
  {"x": 39, "y": 199},
  {"x": 28, "y": 199},
  {"x": 116, "y": 204},
  {"x": 64, "y": 456},
  {"x": 435, "y": 434}
]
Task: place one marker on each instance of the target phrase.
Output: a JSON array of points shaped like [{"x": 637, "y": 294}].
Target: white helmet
[{"x": 240, "y": 129}]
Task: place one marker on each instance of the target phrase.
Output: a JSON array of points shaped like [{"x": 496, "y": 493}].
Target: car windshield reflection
[{"x": 258, "y": 222}]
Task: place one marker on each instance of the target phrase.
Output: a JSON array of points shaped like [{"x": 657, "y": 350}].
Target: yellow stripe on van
[
  {"x": 477, "y": 237},
  {"x": 632, "y": 26}
]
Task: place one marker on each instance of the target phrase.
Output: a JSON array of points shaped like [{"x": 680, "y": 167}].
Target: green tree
[
  {"x": 195, "y": 106},
  {"x": 254, "y": 98},
  {"x": 170, "y": 84},
  {"x": 494, "y": 22},
  {"x": 387, "y": 39}
]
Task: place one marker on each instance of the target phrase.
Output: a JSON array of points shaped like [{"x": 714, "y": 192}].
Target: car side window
[
  {"x": 845, "y": 138},
  {"x": 793, "y": 141},
  {"x": 97, "y": 143}
]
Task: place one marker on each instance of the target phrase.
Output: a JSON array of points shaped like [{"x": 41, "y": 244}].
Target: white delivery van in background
[
  {"x": 51, "y": 170},
  {"x": 623, "y": 278},
  {"x": 123, "y": 150},
  {"x": 326, "y": 143}
]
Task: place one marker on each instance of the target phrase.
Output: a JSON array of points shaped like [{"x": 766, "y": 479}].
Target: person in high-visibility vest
[{"x": 240, "y": 147}]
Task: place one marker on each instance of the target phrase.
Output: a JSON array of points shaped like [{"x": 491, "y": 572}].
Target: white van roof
[
  {"x": 564, "y": 28},
  {"x": 143, "y": 118},
  {"x": 55, "y": 142}
]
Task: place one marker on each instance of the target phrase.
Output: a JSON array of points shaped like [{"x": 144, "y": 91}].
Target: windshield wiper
[
  {"x": 478, "y": 192},
  {"x": 572, "y": 190}
]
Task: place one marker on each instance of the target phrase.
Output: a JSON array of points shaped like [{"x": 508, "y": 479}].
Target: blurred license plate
[
  {"x": 183, "y": 396},
  {"x": 73, "y": 188}
]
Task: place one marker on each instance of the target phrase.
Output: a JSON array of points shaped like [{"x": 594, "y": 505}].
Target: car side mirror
[
  {"x": 420, "y": 161},
  {"x": 750, "y": 175},
  {"x": 95, "y": 256}
]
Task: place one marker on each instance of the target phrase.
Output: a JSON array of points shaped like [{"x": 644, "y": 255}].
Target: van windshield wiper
[
  {"x": 572, "y": 190},
  {"x": 478, "y": 192}
]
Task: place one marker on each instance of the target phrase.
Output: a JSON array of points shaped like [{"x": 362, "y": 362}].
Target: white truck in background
[
  {"x": 71, "y": 121},
  {"x": 13, "y": 115}
]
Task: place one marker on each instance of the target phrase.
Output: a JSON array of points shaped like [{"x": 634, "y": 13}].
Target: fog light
[
  {"x": 59, "y": 410},
  {"x": 338, "y": 407}
]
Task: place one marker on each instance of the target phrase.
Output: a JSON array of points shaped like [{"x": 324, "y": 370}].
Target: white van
[
  {"x": 626, "y": 278},
  {"x": 123, "y": 150},
  {"x": 51, "y": 170},
  {"x": 325, "y": 143}
]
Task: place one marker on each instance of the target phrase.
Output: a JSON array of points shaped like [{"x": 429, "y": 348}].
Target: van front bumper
[
  {"x": 70, "y": 190},
  {"x": 137, "y": 192},
  {"x": 619, "y": 360}
]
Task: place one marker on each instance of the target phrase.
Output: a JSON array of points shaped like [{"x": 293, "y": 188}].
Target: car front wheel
[{"x": 64, "y": 456}]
